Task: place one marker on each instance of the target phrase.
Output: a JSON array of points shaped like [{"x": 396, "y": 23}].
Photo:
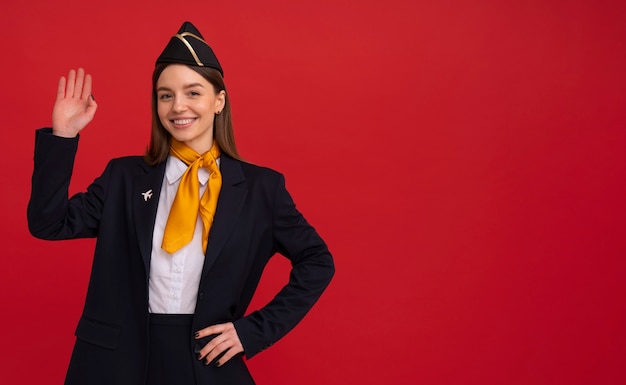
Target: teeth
[{"x": 182, "y": 121}]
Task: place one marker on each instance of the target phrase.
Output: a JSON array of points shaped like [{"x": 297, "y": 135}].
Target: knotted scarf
[{"x": 181, "y": 222}]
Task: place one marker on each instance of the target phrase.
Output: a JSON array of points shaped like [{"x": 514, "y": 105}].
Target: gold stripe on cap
[{"x": 181, "y": 36}]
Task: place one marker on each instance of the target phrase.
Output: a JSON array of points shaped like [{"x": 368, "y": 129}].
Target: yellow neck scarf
[{"x": 181, "y": 222}]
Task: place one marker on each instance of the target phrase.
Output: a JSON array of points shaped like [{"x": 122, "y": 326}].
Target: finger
[
  {"x": 87, "y": 88},
  {"x": 213, "y": 329},
  {"x": 78, "y": 87},
  {"x": 230, "y": 353},
  {"x": 222, "y": 348},
  {"x": 71, "y": 81},
  {"x": 210, "y": 347},
  {"x": 70, "y": 84},
  {"x": 217, "y": 352},
  {"x": 92, "y": 106},
  {"x": 61, "y": 88}
]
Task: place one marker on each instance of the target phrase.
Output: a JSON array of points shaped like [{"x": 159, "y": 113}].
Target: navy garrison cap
[{"x": 188, "y": 47}]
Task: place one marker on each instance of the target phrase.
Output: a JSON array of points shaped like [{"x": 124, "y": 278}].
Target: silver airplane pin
[{"x": 147, "y": 195}]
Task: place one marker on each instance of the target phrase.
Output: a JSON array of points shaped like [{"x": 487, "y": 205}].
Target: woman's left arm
[{"x": 312, "y": 270}]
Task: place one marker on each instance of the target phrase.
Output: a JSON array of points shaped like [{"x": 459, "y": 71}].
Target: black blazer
[{"x": 255, "y": 218}]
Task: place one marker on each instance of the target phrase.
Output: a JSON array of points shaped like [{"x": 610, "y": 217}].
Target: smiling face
[{"x": 186, "y": 106}]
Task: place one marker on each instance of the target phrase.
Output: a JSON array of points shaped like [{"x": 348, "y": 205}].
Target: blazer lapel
[
  {"x": 146, "y": 191},
  {"x": 232, "y": 196}
]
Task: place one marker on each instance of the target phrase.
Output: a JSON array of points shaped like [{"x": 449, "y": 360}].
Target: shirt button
[
  {"x": 200, "y": 295},
  {"x": 177, "y": 270}
]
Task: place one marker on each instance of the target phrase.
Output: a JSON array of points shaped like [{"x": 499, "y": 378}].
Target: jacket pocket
[{"x": 98, "y": 333}]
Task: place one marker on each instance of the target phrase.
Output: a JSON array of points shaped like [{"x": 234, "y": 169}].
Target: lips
[{"x": 182, "y": 122}]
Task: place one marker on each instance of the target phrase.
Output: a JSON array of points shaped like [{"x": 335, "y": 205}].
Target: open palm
[{"x": 74, "y": 107}]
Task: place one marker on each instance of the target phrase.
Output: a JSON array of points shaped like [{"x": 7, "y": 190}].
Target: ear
[{"x": 220, "y": 101}]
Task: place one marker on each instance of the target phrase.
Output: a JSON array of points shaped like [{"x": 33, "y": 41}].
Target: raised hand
[{"x": 75, "y": 107}]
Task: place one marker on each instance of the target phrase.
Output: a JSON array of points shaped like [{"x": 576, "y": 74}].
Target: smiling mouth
[{"x": 182, "y": 122}]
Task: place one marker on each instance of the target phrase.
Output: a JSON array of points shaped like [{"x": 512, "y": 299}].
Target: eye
[
  {"x": 194, "y": 93},
  {"x": 165, "y": 96}
]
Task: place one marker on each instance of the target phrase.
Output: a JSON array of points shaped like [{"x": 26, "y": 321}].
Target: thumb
[{"x": 92, "y": 106}]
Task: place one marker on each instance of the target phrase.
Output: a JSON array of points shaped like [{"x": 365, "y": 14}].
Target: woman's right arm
[{"x": 51, "y": 215}]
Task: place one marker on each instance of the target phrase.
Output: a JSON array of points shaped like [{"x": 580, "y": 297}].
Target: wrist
[{"x": 64, "y": 133}]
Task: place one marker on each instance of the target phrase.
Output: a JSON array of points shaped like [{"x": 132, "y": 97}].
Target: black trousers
[{"x": 170, "y": 360}]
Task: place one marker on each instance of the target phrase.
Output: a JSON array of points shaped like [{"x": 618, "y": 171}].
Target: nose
[{"x": 179, "y": 104}]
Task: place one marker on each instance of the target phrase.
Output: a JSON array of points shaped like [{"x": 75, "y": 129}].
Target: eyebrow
[{"x": 192, "y": 85}]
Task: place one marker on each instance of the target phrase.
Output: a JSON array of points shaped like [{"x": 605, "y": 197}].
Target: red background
[{"x": 464, "y": 161}]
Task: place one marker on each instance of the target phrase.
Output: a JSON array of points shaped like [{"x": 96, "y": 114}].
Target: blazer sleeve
[
  {"x": 311, "y": 272},
  {"x": 51, "y": 215}
]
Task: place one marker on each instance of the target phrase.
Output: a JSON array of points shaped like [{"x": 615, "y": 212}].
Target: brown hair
[{"x": 223, "y": 134}]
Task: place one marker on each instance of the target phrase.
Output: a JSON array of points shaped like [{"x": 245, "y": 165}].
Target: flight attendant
[{"x": 183, "y": 234}]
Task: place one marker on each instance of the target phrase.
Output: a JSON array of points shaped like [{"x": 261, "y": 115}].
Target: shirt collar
[{"x": 175, "y": 169}]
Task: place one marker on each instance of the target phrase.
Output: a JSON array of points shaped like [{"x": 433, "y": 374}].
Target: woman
[{"x": 183, "y": 234}]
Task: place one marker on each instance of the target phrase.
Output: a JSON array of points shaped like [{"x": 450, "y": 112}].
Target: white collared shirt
[{"x": 174, "y": 278}]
